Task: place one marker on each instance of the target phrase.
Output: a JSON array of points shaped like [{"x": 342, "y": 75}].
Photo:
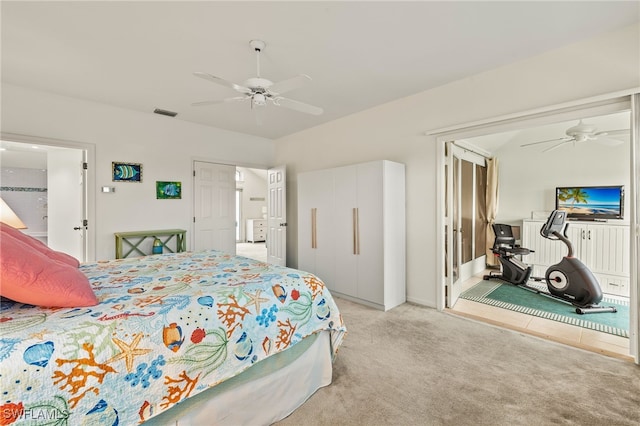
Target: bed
[{"x": 180, "y": 338}]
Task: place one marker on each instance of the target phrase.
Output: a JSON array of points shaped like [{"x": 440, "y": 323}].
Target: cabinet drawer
[{"x": 614, "y": 285}]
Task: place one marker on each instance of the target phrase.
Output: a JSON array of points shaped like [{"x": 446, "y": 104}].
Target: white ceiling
[
  {"x": 554, "y": 132},
  {"x": 141, "y": 55}
]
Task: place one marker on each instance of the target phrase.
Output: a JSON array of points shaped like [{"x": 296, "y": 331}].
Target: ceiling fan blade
[
  {"x": 613, "y": 132},
  {"x": 298, "y": 106},
  {"x": 220, "y": 101},
  {"x": 223, "y": 82},
  {"x": 609, "y": 141},
  {"x": 551, "y": 148},
  {"x": 547, "y": 141},
  {"x": 289, "y": 84}
]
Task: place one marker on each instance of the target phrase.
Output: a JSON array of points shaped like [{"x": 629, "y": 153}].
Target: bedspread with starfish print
[{"x": 167, "y": 327}]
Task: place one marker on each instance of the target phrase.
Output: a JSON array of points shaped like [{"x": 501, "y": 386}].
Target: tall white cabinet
[
  {"x": 603, "y": 247},
  {"x": 352, "y": 231}
]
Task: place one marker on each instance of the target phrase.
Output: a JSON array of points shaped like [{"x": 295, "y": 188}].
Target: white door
[
  {"x": 316, "y": 225},
  {"x": 368, "y": 232},
  {"x": 277, "y": 216},
  {"x": 345, "y": 229},
  {"x": 454, "y": 225},
  {"x": 214, "y": 207},
  {"x": 466, "y": 194},
  {"x": 66, "y": 208}
]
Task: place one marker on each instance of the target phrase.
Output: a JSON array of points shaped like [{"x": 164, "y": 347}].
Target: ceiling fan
[
  {"x": 259, "y": 91},
  {"x": 583, "y": 132}
]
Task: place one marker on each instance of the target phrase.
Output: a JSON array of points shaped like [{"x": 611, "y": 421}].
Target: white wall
[
  {"x": 529, "y": 177},
  {"x": 165, "y": 147},
  {"x": 395, "y": 131}
]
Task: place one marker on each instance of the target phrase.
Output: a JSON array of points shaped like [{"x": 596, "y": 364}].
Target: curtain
[{"x": 492, "y": 207}]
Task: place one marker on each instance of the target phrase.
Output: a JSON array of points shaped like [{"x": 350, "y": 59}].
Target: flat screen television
[{"x": 591, "y": 202}]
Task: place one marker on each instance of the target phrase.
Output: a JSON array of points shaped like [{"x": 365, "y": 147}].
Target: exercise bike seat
[{"x": 505, "y": 242}]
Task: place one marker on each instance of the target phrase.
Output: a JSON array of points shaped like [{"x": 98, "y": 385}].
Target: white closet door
[
  {"x": 315, "y": 225},
  {"x": 325, "y": 233},
  {"x": 306, "y": 195},
  {"x": 369, "y": 232},
  {"x": 345, "y": 229}
]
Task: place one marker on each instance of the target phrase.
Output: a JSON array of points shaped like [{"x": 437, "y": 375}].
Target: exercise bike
[{"x": 569, "y": 281}]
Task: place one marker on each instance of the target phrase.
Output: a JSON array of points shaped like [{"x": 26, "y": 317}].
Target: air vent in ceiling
[{"x": 165, "y": 112}]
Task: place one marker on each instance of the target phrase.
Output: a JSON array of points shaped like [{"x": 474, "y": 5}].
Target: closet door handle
[
  {"x": 314, "y": 241},
  {"x": 356, "y": 232}
]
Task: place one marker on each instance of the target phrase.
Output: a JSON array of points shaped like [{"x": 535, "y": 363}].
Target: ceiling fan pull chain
[{"x": 258, "y": 62}]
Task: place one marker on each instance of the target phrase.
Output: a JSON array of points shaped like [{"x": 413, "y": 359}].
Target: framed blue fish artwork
[
  {"x": 168, "y": 190},
  {"x": 126, "y": 172}
]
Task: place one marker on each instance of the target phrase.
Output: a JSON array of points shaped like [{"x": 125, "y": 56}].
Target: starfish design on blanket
[
  {"x": 255, "y": 299},
  {"x": 128, "y": 351}
]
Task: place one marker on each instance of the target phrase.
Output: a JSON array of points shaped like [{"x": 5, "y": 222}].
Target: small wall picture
[
  {"x": 168, "y": 190},
  {"x": 126, "y": 172}
]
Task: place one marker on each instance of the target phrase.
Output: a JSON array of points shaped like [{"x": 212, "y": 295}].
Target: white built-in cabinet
[
  {"x": 351, "y": 231},
  {"x": 603, "y": 247}
]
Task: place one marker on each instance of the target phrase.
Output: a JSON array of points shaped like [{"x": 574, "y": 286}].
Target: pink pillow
[
  {"x": 28, "y": 276},
  {"x": 39, "y": 245}
]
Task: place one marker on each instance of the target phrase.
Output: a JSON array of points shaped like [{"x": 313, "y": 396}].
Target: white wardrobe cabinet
[
  {"x": 352, "y": 231},
  {"x": 603, "y": 247}
]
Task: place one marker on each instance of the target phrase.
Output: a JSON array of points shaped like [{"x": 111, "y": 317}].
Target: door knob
[
  {"x": 283, "y": 224},
  {"x": 77, "y": 228}
]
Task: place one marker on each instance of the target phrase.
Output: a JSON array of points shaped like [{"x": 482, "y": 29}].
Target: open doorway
[
  {"x": 230, "y": 204},
  {"x": 533, "y": 163},
  {"x": 251, "y": 213},
  {"x": 46, "y": 187}
]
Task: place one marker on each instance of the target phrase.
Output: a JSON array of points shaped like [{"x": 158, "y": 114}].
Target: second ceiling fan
[
  {"x": 583, "y": 132},
  {"x": 260, "y": 91}
]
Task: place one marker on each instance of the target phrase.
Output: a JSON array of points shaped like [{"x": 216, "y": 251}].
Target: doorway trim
[
  {"x": 598, "y": 105},
  {"x": 90, "y": 184}
]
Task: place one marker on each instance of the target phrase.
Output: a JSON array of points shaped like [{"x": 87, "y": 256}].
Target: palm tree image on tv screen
[{"x": 591, "y": 202}]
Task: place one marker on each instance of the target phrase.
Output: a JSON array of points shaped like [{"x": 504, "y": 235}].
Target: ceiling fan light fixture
[{"x": 259, "y": 99}]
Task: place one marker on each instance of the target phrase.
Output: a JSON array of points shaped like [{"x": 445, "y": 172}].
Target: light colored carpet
[
  {"x": 257, "y": 251},
  {"x": 415, "y": 365}
]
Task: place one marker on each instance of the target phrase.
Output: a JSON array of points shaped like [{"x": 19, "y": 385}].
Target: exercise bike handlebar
[{"x": 565, "y": 240}]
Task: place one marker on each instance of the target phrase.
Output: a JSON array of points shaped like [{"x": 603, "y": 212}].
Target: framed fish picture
[
  {"x": 168, "y": 190},
  {"x": 126, "y": 172}
]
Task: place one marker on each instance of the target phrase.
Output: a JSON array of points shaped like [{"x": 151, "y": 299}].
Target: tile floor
[{"x": 606, "y": 344}]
